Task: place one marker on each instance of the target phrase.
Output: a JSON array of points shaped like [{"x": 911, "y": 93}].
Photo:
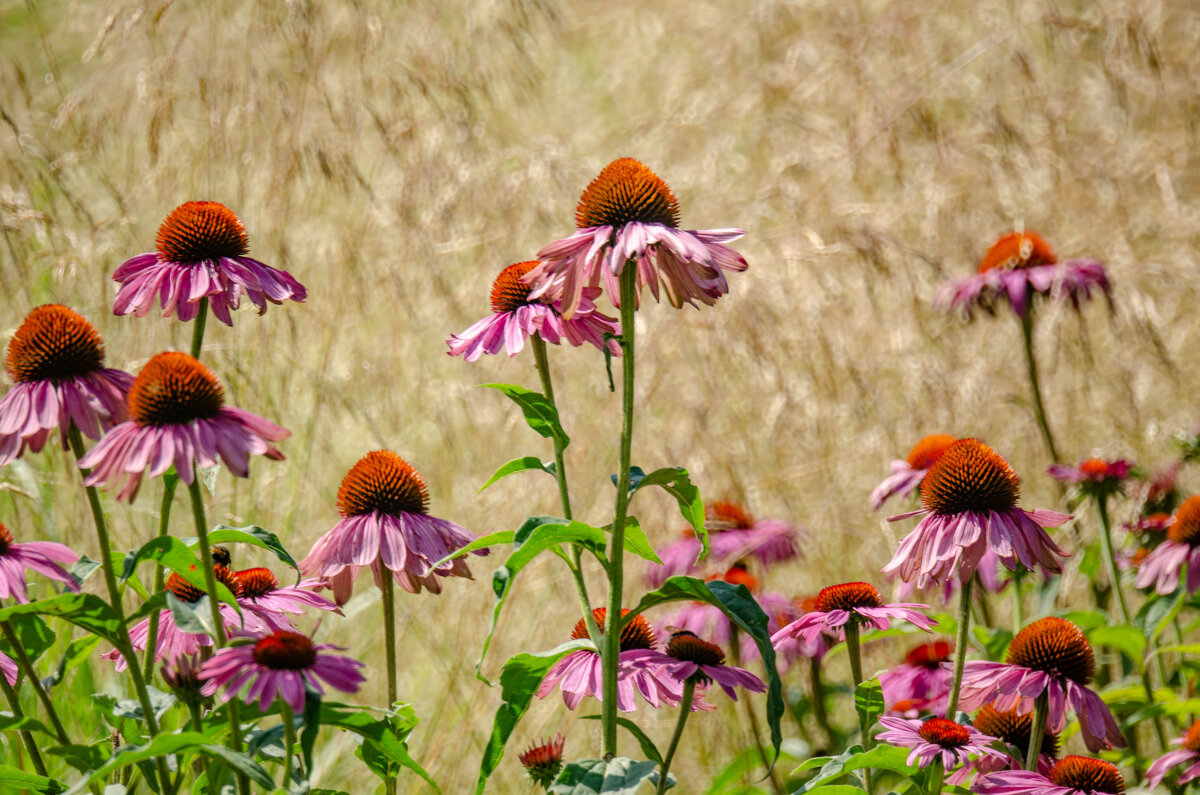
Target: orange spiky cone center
[
  {"x": 738, "y": 574},
  {"x": 1056, "y": 646},
  {"x": 1085, "y": 773},
  {"x": 382, "y": 481},
  {"x": 508, "y": 291},
  {"x": 929, "y": 655},
  {"x": 1013, "y": 729},
  {"x": 636, "y": 634},
  {"x": 848, "y": 596},
  {"x": 626, "y": 192},
  {"x": 1018, "y": 250},
  {"x": 187, "y": 592},
  {"x": 54, "y": 342},
  {"x": 286, "y": 651},
  {"x": 199, "y": 230},
  {"x": 928, "y": 450},
  {"x": 253, "y": 583},
  {"x": 1186, "y": 527},
  {"x": 687, "y": 646},
  {"x": 544, "y": 760},
  {"x": 1191, "y": 740},
  {"x": 174, "y": 389},
  {"x": 945, "y": 733},
  {"x": 969, "y": 476}
]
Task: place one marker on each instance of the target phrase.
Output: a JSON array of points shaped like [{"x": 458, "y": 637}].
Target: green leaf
[
  {"x": 736, "y": 602},
  {"x": 489, "y": 540},
  {"x": 539, "y": 412},
  {"x": 15, "y": 780},
  {"x": 648, "y": 746},
  {"x": 868, "y": 703},
  {"x": 1126, "y": 639},
  {"x": 519, "y": 465},
  {"x": 519, "y": 680},
  {"x": 637, "y": 542},
  {"x": 676, "y": 482},
  {"x": 34, "y": 635},
  {"x": 83, "y": 568},
  {"x": 619, "y": 776},
  {"x": 8, "y": 723},
  {"x": 84, "y": 610},
  {"x": 1158, "y": 612},
  {"x": 84, "y": 758},
  {"x": 881, "y": 757},
  {"x": 194, "y": 617},
  {"x": 163, "y": 744},
  {"x": 177, "y": 556},
  {"x": 994, "y": 641},
  {"x": 254, "y": 536},
  {"x": 836, "y": 789},
  {"x": 312, "y": 726},
  {"x": 386, "y": 737}
]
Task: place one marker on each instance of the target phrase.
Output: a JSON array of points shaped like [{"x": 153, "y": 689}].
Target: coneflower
[
  {"x": 1187, "y": 756},
  {"x": 1071, "y": 775},
  {"x": 1164, "y": 565},
  {"x": 908, "y": 472},
  {"x": 544, "y": 761}
]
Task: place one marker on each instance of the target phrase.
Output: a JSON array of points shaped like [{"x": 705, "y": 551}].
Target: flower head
[
  {"x": 704, "y": 663},
  {"x": 908, "y": 472},
  {"x": 543, "y": 761},
  {"x": 1017, "y": 266},
  {"x": 1049, "y": 656},
  {"x": 1071, "y": 775},
  {"x": 838, "y": 605},
  {"x": 628, "y": 216},
  {"x": 9, "y": 669},
  {"x": 178, "y": 417},
  {"x": 970, "y": 504},
  {"x": 921, "y": 683},
  {"x": 258, "y": 592},
  {"x": 1095, "y": 476},
  {"x": 1162, "y": 567},
  {"x": 386, "y": 525},
  {"x": 280, "y": 663},
  {"x": 44, "y": 557},
  {"x": 182, "y": 675},
  {"x": 1011, "y": 729},
  {"x": 936, "y": 738},
  {"x": 515, "y": 316},
  {"x": 56, "y": 363},
  {"x": 1187, "y": 756},
  {"x": 201, "y": 254}
]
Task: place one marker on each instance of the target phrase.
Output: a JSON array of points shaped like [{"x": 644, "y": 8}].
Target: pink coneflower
[
  {"x": 282, "y": 664},
  {"x": 9, "y": 668},
  {"x": 907, "y": 473},
  {"x": 515, "y": 317},
  {"x": 628, "y": 214},
  {"x": 1162, "y": 567},
  {"x": 920, "y": 683},
  {"x": 182, "y": 675},
  {"x": 794, "y": 647},
  {"x": 56, "y": 363},
  {"x": 640, "y": 668},
  {"x": 970, "y": 504},
  {"x": 1012, "y": 729},
  {"x": 1071, "y": 775},
  {"x": 544, "y": 761},
  {"x": 177, "y": 416},
  {"x": 258, "y": 592},
  {"x": 733, "y": 534},
  {"x": 1049, "y": 656},
  {"x": 838, "y": 605},
  {"x": 386, "y": 525},
  {"x": 705, "y": 662},
  {"x": 1186, "y": 757},
  {"x": 936, "y": 738},
  {"x": 43, "y": 557},
  {"x": 1018, "y": 266},
  {"x": 201, "y": 254},
  {"x": 1096, "y": 476}
]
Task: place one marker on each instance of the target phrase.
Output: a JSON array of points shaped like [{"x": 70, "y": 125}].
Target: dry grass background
[{"x": 394, "y": 156}]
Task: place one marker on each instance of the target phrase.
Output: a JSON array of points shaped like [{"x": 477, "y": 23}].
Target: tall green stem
[
  {"x": 289, "y": 742},
  {"x": 936, "y": 772},
  {"x": 18, "y": 649},
  {"x": 198, "y": 327},
  {"x": 1018, "y": 611},
  {"x": 610, "y": 653},
  {"x": 685, "y": 708},
  {"x": 164, "y": 524},
  {"x": 960, "y": 645},
  {"x": 123, "y": 643},
  {"x": 818, "y": 699},
  {"x": 1037, "y": 730},
  {"x": 386, "y": 588},
  {"x": 1039, "y": 408},
  {"x": 14, "y": 704},
  {"x": 854, "y": 650}
]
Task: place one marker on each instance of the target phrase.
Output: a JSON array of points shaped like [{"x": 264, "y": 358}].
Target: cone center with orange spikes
[
  {"x": 509, "y": 293},
  {"x": 928, "y": 450},
  {"x": 187, "y": 592},
  {"x": 174, "y": 389},
  {"x": 286, "y": 651},
  {"x": 544, "y": 761},
  {"x": 253, "y": 583},
  {"x": 636, "y": 634},
  {"x": 626, "y": 192},
  {"x": 969, "y": 476},
  {"x": 1018, "y": 250},
  {"x": 6, "y": 540},
  {"x": 1094, "y": 468},
  {"x": 929, "y": 655},
  {"x": 198, "y": 231},
  {"x": 848, "y": 596},
  {"x": 382, "y": 481},
  {"x": 1090, "y": 775},
  {"x": 687, "y": 646},
  {"x": 1191, "y": 740},
  {"x": 945, "y": 733},
  {"x": 1186, "y": 527},
  {"x": 725, "y": 515},
  {"x": 738, "y": 574},
  {"x": 1013, "y": 729},
  {"x": 55, "y": 343},
  {"x": 1055, "y": 646}
]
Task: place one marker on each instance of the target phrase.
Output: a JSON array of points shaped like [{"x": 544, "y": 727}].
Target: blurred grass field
[{"x": 394, "y": 157}]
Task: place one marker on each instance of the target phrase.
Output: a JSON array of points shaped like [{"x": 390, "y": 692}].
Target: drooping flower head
[
  {"x": 178, "y": 417},
  {"x": 921, "y": 683},
  {"x": 936, "y": 738},
  {"x": 1186, "y": 757},
  {"x": 44, "y": 557},
  {"x": 182, "y": 675},
  {"x": 838, "y": 605},
  {"x": 1018, "y": 266},
  {"x": 258, "y": 592},
  {"x": 640, "y": 668},
  {"x": 628, "y": 216},
  {"x": 1163, "y": 566},
  {"x": 908, "y": 472},
  {"x": 515, "y": 316},
  {"x": 1095, "y": 476},
  {"x": 1049, "y": 656},
  {"x": 56, "y": 363},
  {"x": 543, "y": 761},
  {"x": 201, "y": 254},
  {"x": 279, "y": 664},
  {"x": 970, "y": 504},
  {"x": 704, "y": 662},
  {"x": 386, "y": 525},
  {"x": 1071, "y": 775}
]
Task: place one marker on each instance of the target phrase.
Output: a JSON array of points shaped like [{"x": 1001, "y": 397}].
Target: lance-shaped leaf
[
  {"x": 254, "y": 536},
  {"x": 383, "y": 736},
  {"x": 177, "y": 556},
  {"x": 34, "y": 635},
  {"x": 519, "y": 465},
  {"x": 539, "y": 412},
  {"x": 676, "y": 482},
  {"x": 84, "y": 610},
  {"x": 16, "y": 780}
]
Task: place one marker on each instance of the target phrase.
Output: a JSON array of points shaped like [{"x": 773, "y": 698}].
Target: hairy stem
[
  {"x": 960, "y": 647},
  {"x": 18, "y": 649},
  {"x": 685, "y": 708},
  {"x": 1039, "y": 409},
  {"x": 1037, "y": 731},
  {"x": 198, "y": 327},
  {"x": 289, "y": 742},
  {"x": 164, "y": 523},
  {"x": 934, "y": 787},
  {"x": 854, "y": 650},
  {"x": 386, "y": 588},
  {"x": 14, "y": 704}
]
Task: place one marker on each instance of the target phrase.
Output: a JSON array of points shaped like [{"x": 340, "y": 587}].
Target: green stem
[
  {"x": 818, "y": 699},
  {"x": 1039, "y": 408},
  {"x": 685, "y": 708},
  {"x": 1037, "y": 731},
  {"x": 18, "y": 649},
  {"x": 611, "y": 647},
  {"x": 934, "y": 787},
  {"x": 960, "y": 647},
  {"x": 386, "y": 588},
  {"x": 198, "y": 327},
  {"x": 1018, "y": 603},
  {"x": 14, "y": 704},
  {"x": 289, "y": 742},
  {"x": 164, "y": 521},
  {"x": 124, "y": 645},
  {"x": 735, "y": 654},
  {"x": 853, "y": 648}
]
